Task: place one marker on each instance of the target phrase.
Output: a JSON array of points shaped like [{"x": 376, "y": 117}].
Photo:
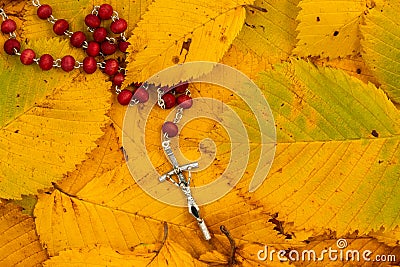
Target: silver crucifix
[{"x": 184, "y": 185}]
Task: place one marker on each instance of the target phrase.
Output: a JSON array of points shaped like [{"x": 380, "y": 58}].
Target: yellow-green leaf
[
  {"x": 328, "y": 28},
  {"x": 48, "y": 120},
  {"x": 19, "y": 243},
  {"x": 336, "y": 164},
  {"x": 269, "y": 29},
  {"x": 173, "y": 32},
  {"x": 381, "y": 45}
]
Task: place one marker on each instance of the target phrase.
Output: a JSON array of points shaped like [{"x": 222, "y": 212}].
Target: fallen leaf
[
  {"x": 354, "y": 66},
  {"x": 47, "y": 129},
  {"x": 19, "y": 243},
  {"x": 161, "y": 39},
  {"x": 336, "y": 165},
  {"x": 247, "y": 62},
  {"x": 269, "y": 30},
  {"x": 329, "y": 29},
  {"x": 381, "y": 47}
]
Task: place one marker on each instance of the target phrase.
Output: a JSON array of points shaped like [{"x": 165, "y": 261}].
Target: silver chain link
[
  {"x": 57, "y": 63},
  {"x": 52, "y": 19},
  {"x": 36, "y": 3},
  {"x": 3, "y": 14},
  {"x": 95, "y": 10},
  {"x": 111, "y": 40},
  {"x": 123, "y": 37},
  {"x": 115, "y": 16},
  {"x": 178, "y": 115},
  {"x": 160, "y": 101},
  {"x": 68, "y": 33}
]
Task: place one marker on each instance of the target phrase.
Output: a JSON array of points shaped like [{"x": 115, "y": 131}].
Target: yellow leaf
[
  {"x": 19, "y": 244},
  {"x": 48, "y": 120},
  {"x": 329, "y": 29},
  {"x": 380, "y": 45},
  {"x": 247, "y": 62},
  {"x": 172, "y": 32},
  {"x": 164, "y": 254},
  {"x": 354, "y": 66},
  {"x": 106, "y": 207},
  {"x": 102, "y": 256},
  {"x": 336, "y": 164},
  {"x": 269, "y": 29}
]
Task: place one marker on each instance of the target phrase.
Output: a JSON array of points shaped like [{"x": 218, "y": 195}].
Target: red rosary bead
[
  {"x": 89, "y": 65},
  {"x": 11, "y": 45},
  {"x": 92, "y": 21},
  {"x": 124, "y": 97},
  {"x": 184, "y": 101},
  {"x": 77, "y": 39},
  {"x": 105, "y": 11},
  {"x": 100, "y": 34},
  {"x": 169, "y": 100},
  {"x": 27, "y": 56},
  {"x": 8, "y": 26},
  {"x": 141, "y": 95},
  {"x": 111, "y": 67},
  {"x": 118, "y": 79},
  {"x": 123, "y": 46},
  {"x": 108, "y": 48},
  {"x": 118, "y": 26},
  {"x": 46, "y": 62},
  {"x": 181, "y": 88},
  {"x": 170, "y": 128},
  {"x": 44, "y": 11},
  {"x": 68, "y": 63},
  {"x": 60, "y": 26},
  {"x": 93, "y": 49}
]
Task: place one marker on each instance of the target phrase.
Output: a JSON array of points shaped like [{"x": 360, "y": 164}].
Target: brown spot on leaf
[
  {"x": 358, "y": 71},
  {"x": 335, "y": 33},
  {"x": 223, "y": 39},
  {"x": 375, "y": 133},
  {"x": 318, "y": 19},
  {"x": 175, "y": 59}
]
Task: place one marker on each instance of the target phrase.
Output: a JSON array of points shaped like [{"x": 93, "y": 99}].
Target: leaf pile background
[{"x": 330, "y": 71}]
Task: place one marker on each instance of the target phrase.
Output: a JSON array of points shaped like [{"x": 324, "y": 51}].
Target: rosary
[{"x": 101, "y": 46}]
